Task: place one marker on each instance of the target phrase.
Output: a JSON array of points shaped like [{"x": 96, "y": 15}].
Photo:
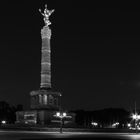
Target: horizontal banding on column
[{"x": 45, "y": 63}]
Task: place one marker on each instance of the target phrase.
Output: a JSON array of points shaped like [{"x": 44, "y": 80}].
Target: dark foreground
[{"x": 37, "y": 135}]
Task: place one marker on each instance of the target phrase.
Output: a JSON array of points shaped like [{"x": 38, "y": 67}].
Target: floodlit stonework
[{"x": 45, "y": 102}]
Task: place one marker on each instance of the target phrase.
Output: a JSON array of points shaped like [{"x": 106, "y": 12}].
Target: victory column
[
  {"x": 46, "y": 50},
  {"x": 45, "y": 100}
]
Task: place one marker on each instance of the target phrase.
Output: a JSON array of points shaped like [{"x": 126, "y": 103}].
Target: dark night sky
[{"x": 95, "y": 53}]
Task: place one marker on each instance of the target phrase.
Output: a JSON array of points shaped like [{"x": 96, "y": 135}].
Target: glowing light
[
  {"x": 129, "y": 125},
  {"x": 64, "y": 114},
  {"x": 138, "y": 116},
  {"x": 94, "y": 123},
  {"x": 115, "y": 124},
  {"x": 135, "y": 116},
  {"x": 3, "y": 122},
  {"x": 58, "y": 114}
]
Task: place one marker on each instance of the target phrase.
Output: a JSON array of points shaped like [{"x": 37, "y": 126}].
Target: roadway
[{"x": 41, "y": 135}]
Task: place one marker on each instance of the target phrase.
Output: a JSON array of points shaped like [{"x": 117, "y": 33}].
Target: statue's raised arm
[{"x": 46, "y": 14}]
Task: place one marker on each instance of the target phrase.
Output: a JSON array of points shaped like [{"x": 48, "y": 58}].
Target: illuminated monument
[
  {"x": 45, "y": 98},
  {"x": 44, "y": 102},
  {"x": 46, "y": 51}
]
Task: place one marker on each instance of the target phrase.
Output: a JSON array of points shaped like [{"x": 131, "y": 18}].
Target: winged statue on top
[{"x": 46, "y": 14}]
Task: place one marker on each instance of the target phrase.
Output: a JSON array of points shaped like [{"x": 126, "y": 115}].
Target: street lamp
[
  {"x": 94, "y": 124},
  {"x": 128, "y": 125},
  {"x": 115, "y": 125},
  {"x": 136, "y": 117},
  {"x": 58, "y": 114},
  {"x": 61, "y": 115},
  {"x": 3, "y": 122}
]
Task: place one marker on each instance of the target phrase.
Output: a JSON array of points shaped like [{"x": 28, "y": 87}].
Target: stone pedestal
[
  {"x": 45, "y": 103},
  {"x": 45, "y": 99}
]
